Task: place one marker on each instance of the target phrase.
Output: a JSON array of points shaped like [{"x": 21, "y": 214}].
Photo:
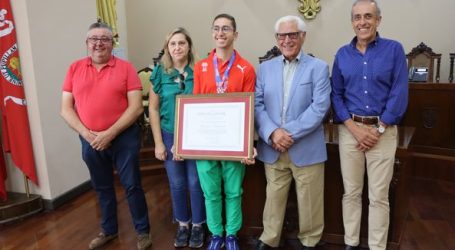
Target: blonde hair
[{"x": 166, "y": 60}]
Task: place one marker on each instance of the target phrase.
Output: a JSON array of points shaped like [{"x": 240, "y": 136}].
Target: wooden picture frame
[{"x": 214, "y": 126}]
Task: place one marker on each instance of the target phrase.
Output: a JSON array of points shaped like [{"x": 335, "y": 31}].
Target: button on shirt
[
  {"x": 370, "y": 84},
  {"x": 288, "y": 75}
]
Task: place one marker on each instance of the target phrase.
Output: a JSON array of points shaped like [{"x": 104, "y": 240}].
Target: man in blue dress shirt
[{"x": 369, "y": 96}]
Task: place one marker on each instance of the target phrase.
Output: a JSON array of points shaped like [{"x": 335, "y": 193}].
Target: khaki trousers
[
  {"x": 309, "y": 183},
  {"x": 379, "y": 166}
]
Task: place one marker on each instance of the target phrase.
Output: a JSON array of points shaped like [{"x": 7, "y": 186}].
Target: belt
[{"x": 368, "y": 120}]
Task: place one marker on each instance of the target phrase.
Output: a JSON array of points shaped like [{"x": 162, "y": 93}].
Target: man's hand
[
  {"x": 88, "y": 136},
  {"x": 281, "y": 140},
  {"x": 366, "y": 136},
  {"x": 102, "y": 140},
  {"x": 250, "y": 161}
]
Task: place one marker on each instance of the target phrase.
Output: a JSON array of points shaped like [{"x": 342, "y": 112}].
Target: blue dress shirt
[{"x": 370, "y": 84}]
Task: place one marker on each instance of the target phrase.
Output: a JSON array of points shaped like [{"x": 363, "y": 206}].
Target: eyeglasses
[
  {"x": 291, "y": 35},
  {"x": 223, "y": 29},
  {"x": 182, "y": 82},
  {"x": 104, "y": 40}
]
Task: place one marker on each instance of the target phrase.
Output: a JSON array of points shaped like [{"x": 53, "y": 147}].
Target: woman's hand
[
  {"x": 160, "y": 152},
  {"x": 175, "y": 158}
]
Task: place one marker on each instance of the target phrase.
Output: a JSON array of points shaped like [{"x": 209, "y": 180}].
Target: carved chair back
[
  {"x": 423, "y": 56},
  {"x": 452, "y": 58}
]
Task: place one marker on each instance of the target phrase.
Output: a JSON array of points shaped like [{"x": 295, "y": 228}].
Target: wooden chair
[
  {"x": 144, "y": 75},
  {"x": 423, "y": 56},
  {"x": 274, "y": 52},
  {"x": 452, "y": 57},
  {"x": 157, "y": 59}
]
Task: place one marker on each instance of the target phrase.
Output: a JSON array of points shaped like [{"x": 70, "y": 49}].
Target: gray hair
[
  {"x": 300, "y": 23},
  {"x": 100, "y": 25},
  {"x": 378, "y": 10}
]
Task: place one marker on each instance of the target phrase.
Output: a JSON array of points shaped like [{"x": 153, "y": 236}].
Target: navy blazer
[{"x": 309, "y": 100}]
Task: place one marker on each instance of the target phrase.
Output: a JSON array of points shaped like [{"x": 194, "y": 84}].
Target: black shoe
[
  {"x": 197, "y": 237},
  {"x": 181, "y": 237},
  {"x": 348, "y": 247},
  {"x": 262, "y": 246}
]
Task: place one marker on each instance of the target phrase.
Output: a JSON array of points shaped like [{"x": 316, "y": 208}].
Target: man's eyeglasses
[
  {"x": 223, "y": 29},
  {"x": 94, "y": 40},
  {"x": 291, "y": 35},
  {"x": 181, "y": 82}
]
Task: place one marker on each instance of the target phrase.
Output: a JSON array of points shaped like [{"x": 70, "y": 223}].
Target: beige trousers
[
  {"x": 379, "y": 166},
  {"x": 309, "y": 183}
]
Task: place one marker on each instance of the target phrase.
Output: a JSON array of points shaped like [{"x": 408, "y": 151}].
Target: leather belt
[{"x": 368, "y": 120}]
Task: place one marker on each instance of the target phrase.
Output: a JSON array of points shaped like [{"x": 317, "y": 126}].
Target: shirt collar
[
  {"x": 297, "y": 59},
  {"x": 110, "y": 63},
  {"x": 353, "y": 43},
  {"x": 175, "y": 72}
]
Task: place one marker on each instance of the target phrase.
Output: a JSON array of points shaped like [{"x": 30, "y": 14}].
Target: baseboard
[{"x": 65, "y": 197}]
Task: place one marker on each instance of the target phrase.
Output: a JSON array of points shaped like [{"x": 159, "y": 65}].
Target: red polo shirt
[{"x": 101, "y": 97}]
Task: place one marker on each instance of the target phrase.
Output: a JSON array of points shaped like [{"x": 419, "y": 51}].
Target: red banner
[
  {"x": 3, "y": 175},
  {"x": 15, "y": 126}
]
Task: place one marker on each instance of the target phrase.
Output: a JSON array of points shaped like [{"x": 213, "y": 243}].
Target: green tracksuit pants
[{"x": 216, "y": 177}]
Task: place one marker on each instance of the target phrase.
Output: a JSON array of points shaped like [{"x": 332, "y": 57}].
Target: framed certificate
[{"x": 214, "y": 126}]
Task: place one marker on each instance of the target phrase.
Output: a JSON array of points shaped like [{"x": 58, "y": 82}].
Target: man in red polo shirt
[{"x": 101, "y": 100}]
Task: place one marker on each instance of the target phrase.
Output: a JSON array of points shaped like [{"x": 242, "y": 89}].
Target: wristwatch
[{"x": 380, "y": 128}]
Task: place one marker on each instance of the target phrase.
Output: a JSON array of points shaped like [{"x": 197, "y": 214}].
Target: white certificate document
[{"x": 214, "y": 126}]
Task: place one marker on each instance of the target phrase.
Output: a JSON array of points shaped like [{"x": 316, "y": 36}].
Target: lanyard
[{"x": 221, "y": 83}]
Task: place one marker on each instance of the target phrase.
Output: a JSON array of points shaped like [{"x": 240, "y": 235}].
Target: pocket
[{"x": 303, "y": 84}]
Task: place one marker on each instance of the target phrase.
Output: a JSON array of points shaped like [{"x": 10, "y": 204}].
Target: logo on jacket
[
  {"x": 241, "y": 68},
  {"x": 204, "y": 66}
]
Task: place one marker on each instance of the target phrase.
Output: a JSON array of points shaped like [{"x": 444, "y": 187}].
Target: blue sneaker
[
  {"x": 181, "y": 237},
  {"x": 216, "y": 243},
  {"x": 232, "y": 242}
]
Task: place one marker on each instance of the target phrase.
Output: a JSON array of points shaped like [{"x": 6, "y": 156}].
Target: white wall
[
  {"x": 121, "y": 27},
  {"x": 408, "y": 21}
]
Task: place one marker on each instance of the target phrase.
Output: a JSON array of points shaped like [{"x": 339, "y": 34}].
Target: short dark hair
[{"x": 227, "y": 16}]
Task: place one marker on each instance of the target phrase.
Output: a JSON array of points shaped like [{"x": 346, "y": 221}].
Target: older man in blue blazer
[{"x": 292, "y": 98}]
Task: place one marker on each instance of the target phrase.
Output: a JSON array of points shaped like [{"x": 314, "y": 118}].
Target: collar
[
  {"x": 375, "y": 42},
  {"x": 110, "y": 63},
  {"x": 297, "y": 59},
  {"x": 170, "y": 77},
  {"x": 212, "y": 53},
  {"x": 175, "y": 72}
]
